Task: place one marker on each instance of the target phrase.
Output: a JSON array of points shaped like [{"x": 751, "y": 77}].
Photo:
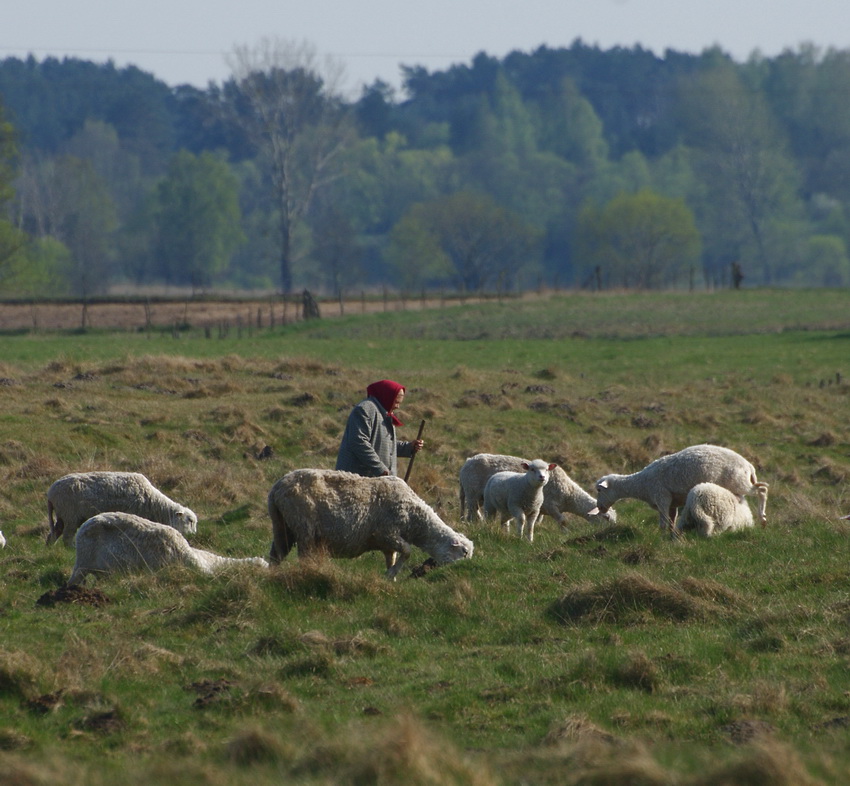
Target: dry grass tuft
[
  {"x": 255, "y": 746},
  {"x": 766, "y": 763},
  {"x": 239, "y": 596},
  {"x": 19, "y": 674},
  {"x": 595, "y": 761},
  {"x": 13, "y": 740},
  {"x": 631, "y": 598},
  {"x": 574, "y": 729},
  {"x": 358, "y": 644},
  {"x": 713, "y": 591},
  {"x": 637, "y": 672},
  {"x": 323, "y": 578},
  {"x": 400, "y": 751}
]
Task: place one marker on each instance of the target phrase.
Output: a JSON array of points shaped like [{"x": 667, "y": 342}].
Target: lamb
[
  {"x": 711, "y": 509},
  {"x": 664, "y": 484},
  {"x": 560, "y": 495},
  {"x": 81, "y": 495},
  {"x": 347, "y": 515},
  {"x": 518, "y": 495},
  {"x": 123, "y": 542}
]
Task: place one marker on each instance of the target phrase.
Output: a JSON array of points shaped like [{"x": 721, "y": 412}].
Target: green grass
[{"x": 596, "y": 655}]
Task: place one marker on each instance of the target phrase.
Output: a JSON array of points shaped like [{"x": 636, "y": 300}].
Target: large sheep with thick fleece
[
  {"x": 560, "y": 495},
  {"x": 126, "y": 543},
  {"x": 77, "y": 497},
  {"x": 346, "y": 515},
  {"x": 664, "y": 484},
  {"x": 711, "y": 509},
  {"x": 518, "y": 495}
]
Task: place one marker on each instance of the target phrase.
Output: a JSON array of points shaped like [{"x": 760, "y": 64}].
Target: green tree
[
  {"x": 297, "y": 122},
  {"x": 484, "y": 243},
  {"x": 826, "y": 264},
  {"x": 568, "y": 126},
  {"x": 639, "y": 240},
  {"x": 12, "y": 239},
  {"x": 740, "y": 155},
  {"x": 198, "y": 218},
  {"x": 42, "y": 267},
  {"x": 83, "y": 220}
]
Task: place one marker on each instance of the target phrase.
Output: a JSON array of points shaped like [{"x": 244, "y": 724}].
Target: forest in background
[{"x": 568, "y": 167}]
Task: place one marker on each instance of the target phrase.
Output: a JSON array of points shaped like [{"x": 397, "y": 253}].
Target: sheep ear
[
  {"x": 552, "y": 466},
  {"x": 525, "y": 465},
  {"x": 603, "y": 484}
]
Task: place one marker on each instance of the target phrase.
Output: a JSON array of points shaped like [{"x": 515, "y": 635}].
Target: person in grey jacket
[{"x": 369, "y": 446}]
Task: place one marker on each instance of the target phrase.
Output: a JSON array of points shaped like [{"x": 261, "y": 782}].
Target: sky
[{"x": 188, "y": 41}]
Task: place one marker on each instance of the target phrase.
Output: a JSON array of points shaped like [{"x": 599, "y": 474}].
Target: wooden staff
[{"x": 410, "y": 464}]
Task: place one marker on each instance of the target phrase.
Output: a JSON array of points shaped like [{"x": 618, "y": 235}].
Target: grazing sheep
[
  {"x": 518, "y": 495},
  {"x": 347, "y": 515},
  {"x": 560, "y": 495},
  {"x": 711, "y": 509},
  {"x": 664, "y": 484},
  {"x": 124, "y": 542},
  {"x": 81, "y": 495}
]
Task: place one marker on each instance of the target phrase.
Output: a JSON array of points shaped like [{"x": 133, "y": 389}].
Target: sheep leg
[
  {"x": 532, "y": 520},
  {"x": 761, "y": 491},
  {"x": 56, "y": 528},
  {"x": 666, "y": 513},
  {"x": 403, "y": 550}
]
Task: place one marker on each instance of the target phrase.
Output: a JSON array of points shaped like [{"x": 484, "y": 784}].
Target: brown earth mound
[{"x": 80, "y": 595}]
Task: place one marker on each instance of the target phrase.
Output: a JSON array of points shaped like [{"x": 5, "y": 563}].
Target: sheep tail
[{"x": 284, "y": 537}]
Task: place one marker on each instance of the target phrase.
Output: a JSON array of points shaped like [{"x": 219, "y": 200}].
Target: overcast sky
[{"x": 186, "y": 41}]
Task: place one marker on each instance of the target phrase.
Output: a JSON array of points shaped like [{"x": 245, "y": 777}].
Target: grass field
[{"x": 593, "y": 656}]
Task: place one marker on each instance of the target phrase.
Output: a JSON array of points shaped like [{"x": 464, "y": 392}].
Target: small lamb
[
  {"x": 711, "y": 509},
  {"x": 560, "y": 495},
  {"x": 347, "y": 515},
  {"x": 518, "y": 495},
  {"x": 664, "y": 484},
  {"x": 124, "y": 543},
  {"x": 77, "y": 497}
]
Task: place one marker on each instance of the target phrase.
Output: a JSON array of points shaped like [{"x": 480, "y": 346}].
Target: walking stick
[{"x": 410, "y": 464}]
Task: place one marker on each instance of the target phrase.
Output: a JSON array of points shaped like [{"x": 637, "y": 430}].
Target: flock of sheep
[{"x": 119, "y": 522}]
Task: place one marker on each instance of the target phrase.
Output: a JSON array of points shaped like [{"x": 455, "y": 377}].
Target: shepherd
[{"x": 369, "y": 445}]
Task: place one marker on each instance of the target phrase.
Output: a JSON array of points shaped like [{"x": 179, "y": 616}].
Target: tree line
[{"x": 575, "y": 166}]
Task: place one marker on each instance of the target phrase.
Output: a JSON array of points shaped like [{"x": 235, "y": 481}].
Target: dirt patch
[
  {"x": 107, "y": 722},
  {"x": 743, "y": 731},
  {"x": 79, "y": 595},
  {"x": 418, "y": 571},
  {"x": 224, "y": 314},
  {"x": 210, "y": 691},
  {"x": 42, "y": 705}
]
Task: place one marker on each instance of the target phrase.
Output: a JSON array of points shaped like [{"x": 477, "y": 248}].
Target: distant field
[
  {"x": 595, "y": 655},
  {"x": 540, "y": 315}
]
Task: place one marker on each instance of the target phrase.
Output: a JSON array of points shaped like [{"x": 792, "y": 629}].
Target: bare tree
[{"x": 289, "y": 108}]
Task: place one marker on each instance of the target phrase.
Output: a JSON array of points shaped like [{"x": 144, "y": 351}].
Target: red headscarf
[{"x": 385, "y": 391}]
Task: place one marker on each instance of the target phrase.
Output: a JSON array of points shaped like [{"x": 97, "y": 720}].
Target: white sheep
[
  {"x": 664, "y": 484},
  {"x": 124, "y": 543},
  {"x": 77, "y": 497},
  {"x": 560, "y": 495},
  {"x": 711, "y": 509},
  {"x": 346, "y": 515},
  {"x": 2, "y": 540},
  {"x": 518, "y": 495}
]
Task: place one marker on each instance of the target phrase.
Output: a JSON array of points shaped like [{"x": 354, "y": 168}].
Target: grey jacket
[{"x": 369, "y": 446}]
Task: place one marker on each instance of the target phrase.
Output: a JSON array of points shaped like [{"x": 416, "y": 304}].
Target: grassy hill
[{"x": 594, "y": 655}]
